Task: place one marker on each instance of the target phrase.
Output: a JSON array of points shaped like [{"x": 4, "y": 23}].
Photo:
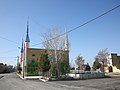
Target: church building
[{"x": 30, "y": 57}]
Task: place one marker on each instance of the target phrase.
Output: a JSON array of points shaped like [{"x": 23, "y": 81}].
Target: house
[{"x": 113, "y": 63}]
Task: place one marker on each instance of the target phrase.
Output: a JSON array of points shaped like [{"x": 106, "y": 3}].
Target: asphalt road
[{"x": 13, "y": 82}]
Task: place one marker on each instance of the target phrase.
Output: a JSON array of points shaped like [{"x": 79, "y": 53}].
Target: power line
[
  {"x": 9, "y": 40},
  {"x": 8, "y": 57},
  {"x": 8, "y": 51},
  {"x": 93, "y": 19}
]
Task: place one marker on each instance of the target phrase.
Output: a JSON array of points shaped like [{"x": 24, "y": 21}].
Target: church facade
[{"x": 30, "y": 57}]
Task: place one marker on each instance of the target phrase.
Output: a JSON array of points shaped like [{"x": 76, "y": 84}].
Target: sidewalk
[
  {"x": 1, "y": 77},
  {"x": 29, "y": 77},
  {"x": 112, "y": 74}
]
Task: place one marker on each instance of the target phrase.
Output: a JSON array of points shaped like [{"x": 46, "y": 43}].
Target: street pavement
[{"x": 13, "y": 82}]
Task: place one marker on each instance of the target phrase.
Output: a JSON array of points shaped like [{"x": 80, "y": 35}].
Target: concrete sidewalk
[
  {"x": 29, "y": 77},
  {"x": 1, "y": 77},
  {"x": 112, "y": 74}
]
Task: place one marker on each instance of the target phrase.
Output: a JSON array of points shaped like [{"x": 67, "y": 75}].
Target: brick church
[{"x": 29, "y": 57}]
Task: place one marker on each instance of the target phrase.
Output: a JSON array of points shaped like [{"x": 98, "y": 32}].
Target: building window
[{"x": 33, "y": 55}]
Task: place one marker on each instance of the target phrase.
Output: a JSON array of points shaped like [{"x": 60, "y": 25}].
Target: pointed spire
[
  {"x": 66, "y": 41},
  {"x": 27, "y": 36},
  {"x": 22, "y": 46}
]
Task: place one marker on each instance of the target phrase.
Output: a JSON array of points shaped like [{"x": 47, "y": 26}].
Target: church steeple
[
  {"x": 27, "y": 36},
  {"x": 21, "y": 52},
  {"x": 22, "y": 47},
  {"x": 66, "y": 41}
]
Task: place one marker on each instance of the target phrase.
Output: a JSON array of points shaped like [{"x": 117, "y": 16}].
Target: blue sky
[{"x": 44, "y": 14}]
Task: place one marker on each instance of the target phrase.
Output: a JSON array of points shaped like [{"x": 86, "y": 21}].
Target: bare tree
[
  {"x": 55, "y": 44},
  {"x": 72, "y": 64},
  {"x": 102, "y": 57},
  {"x": 79, "y": 62},
  {"x": 52, "y": 39}
]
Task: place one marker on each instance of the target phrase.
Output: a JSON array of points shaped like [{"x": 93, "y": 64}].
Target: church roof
[{"x": 27, "y": 36}]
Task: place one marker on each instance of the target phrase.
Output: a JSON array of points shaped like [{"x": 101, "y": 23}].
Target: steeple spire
[
  {"x": 22, "y": 46},
  {"x": 66, "y": 41},
  {"x": 21, "y": 53},
  {"x": 27, "y": 36}
]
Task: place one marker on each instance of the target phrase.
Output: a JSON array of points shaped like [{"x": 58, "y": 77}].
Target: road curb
[
  {"x": 20, "y": 76},
  {"x": 1, "y": 77},
  {"x": 29, "y": 77}
]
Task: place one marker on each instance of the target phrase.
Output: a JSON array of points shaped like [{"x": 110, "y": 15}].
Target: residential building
[{"x": 113, "y": 63}]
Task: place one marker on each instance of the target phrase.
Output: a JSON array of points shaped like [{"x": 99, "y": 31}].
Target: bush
[{"x": 96, "y": 65}]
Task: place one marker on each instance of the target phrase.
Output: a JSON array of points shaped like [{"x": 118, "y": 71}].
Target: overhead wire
[
  {"x": 89, "y": 21},
  {"x": 8, "y": 57},
  {"x": 7, "y": 51},
  {"x": 9, "y": 40}
]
